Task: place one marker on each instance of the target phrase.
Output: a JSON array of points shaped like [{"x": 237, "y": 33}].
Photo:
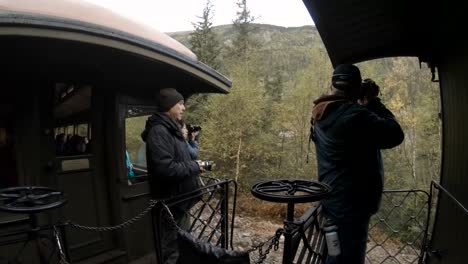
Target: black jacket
[
  {"x": 348, "y": 138},
  {"x": 170, "y": 167}
]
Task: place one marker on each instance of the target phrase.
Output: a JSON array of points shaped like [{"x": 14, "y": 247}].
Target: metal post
[
  {"x": 224, "y": 212},
  {"x": 34, "y": 236},
  {"x": 287, "y": 253},
  {"x": 65, "y": 243}
]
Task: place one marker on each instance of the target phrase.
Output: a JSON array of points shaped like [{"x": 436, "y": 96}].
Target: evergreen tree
[
  {"x": 274, "y": 85},
  {"x": 203, "y": 41},
  {"x": 242, "y": 41}
]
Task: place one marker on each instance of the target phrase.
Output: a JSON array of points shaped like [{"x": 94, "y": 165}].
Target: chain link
[
  {"x": 273, "y": 242},
  {"x": 170, "y": 218},
  {"x": 152, "y": 204}
]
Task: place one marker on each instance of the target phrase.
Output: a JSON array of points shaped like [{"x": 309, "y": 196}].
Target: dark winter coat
[
  {"x": 170, "y": 167},
  {"x": 348, "y": 139}
]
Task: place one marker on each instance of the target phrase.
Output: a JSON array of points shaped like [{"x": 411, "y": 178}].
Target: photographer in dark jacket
[
  {"x": 171, "y": 169},
  {"x": 350, "y": 127}
]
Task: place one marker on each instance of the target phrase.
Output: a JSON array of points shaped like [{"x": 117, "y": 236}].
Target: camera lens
[{"x": 207, "y": 165}]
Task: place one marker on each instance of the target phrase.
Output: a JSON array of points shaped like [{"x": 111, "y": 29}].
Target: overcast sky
[{"x": 177, "y": 15}]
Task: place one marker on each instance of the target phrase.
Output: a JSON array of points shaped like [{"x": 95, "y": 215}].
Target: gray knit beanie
[{"x": 166, "y": 98}]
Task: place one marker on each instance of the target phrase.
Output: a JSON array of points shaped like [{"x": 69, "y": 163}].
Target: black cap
[
  {"x": 166, "y": 98},
  {"x": 346, "y": 76}
]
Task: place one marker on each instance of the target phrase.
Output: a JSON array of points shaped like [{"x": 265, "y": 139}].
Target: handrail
[
  {"x": 436, "y": 185},
  {"x": 220, "y": 186}
]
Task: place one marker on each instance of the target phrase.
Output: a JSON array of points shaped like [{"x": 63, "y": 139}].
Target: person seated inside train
[
  {"x": 60, "y": 144},
  {"x": 129, "y": 165},
  {"x": 77, "y": 145}
]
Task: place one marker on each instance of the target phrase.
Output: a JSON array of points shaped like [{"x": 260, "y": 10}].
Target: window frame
[{"x": 130, "y": 111}]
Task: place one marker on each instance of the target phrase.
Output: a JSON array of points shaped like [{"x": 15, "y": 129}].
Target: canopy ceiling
[{"x": 355, "y": 31}]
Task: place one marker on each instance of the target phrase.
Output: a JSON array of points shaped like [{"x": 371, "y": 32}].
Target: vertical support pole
[
  {"x": 34, "y": 236},
  {"x": 224, "y": 212},
  {"x": 287, "y": 253},
  {"x": 63, "y": 236}
]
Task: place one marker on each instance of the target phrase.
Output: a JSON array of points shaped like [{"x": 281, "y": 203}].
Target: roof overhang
[
  {"x": 355, "y": 31},
  {"x": 101, "y": 31}
]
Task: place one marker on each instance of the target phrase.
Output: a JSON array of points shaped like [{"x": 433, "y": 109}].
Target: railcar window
[
  {"x": 72, "y": 111},
  {"x": 135, "y": 155},
  {"x": 82, "y": 130},
  {"x": 73, "y": 140}
]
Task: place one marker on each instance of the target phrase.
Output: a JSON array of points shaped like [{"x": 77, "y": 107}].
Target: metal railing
[
  {"x": 398, "y": 232},
  {"x": 308, "y": 240},
  {"x": 211, "y": 217},
  {"x": 433, "y": 252},
  {"x": 436, "y": 185}
]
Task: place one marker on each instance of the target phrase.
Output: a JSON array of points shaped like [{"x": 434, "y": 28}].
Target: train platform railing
[
  {"x": 398, "y": 232},
  {"x": 212, "y": 216},
  {"x": 211, "y": 213}
]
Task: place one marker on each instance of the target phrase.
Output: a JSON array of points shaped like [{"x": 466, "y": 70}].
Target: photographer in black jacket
[
  {"x": 171, "y": 169},
  {"x": 350, "y": 127}
]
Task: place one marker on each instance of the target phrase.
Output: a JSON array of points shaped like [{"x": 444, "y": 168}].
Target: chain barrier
[
  {"x": 152, "y": 204},
  {"x": 170, "y": 218},
  {"x": 273, "y": 243}
]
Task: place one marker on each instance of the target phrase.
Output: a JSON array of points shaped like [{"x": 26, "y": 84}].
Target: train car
[{"x": 74, "y": 75}]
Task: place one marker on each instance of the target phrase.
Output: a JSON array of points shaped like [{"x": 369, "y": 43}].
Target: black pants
[
  {"x": 169, "y": 248},
  {"x": 353, "y": 241}
]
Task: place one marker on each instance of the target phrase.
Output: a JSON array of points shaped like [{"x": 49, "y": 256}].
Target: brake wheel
[
  {"x": 290, "y": 191},
  {"x": 30, "y": 199}
]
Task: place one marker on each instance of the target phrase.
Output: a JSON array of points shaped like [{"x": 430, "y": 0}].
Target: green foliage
[
  {"x": 282, "y": 75},
  {"x": 235, "y": 137},
  {"x": 204, "y": 43},
  {"x": 133, "y": 128}
]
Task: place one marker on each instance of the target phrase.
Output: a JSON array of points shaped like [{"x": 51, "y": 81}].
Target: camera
[
  {"x": 193, "y": 128},
  {"x": 369, "y": 89},
  {"x": 206, "y": 164}
]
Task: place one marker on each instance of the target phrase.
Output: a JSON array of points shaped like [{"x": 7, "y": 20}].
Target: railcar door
[{"x": 80, "y": 170}]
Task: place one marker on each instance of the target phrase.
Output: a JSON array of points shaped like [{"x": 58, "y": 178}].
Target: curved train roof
[
  {"x": 355, "y": 31},
  {"x": 81, "y": 21}
]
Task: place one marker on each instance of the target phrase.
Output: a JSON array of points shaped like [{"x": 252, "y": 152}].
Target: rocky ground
[{"x": 249, "y": 231}]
